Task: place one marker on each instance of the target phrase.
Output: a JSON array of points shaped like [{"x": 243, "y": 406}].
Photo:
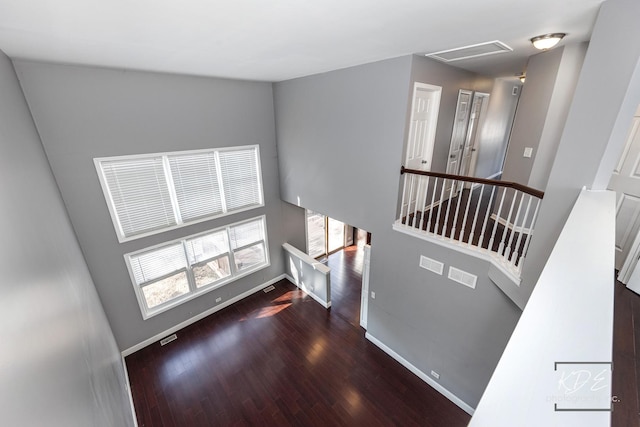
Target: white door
[
  {"x": 478, "y": 107},
  {"x": 316, "y": 234},
  {"x": 625, "y": 181},
  {"x": 422, "y": 128},
  {"x": 459, "y": 133}
]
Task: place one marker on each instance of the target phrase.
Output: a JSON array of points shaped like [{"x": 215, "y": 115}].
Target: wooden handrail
[{"x": 532, "y": 191}]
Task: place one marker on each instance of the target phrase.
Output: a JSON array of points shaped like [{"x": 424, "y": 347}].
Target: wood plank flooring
[
  {"x": 279, "y": 358},
  {"x": 626, "y": 351}
]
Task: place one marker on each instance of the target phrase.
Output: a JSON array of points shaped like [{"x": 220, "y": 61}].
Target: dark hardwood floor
[
  {"x": 626, "y": 351},
  {"x": 279, "y": 358}
]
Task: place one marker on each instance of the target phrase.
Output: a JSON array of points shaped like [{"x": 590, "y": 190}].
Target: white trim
[
  {"x": 317, "y": 265},
  {"x": 364, "y": 294},
  {"x": 128, "y": 386},
  {"x": 430, "y": 139},
  {"x": 511, "y": 272},
  {"x": 424, "y": 377},
  {"x": 316, "y": 298},
  {"x": 511, "y": 226},
  {"x": 194, "y": 291},
  {"x": 170, "y": 186},
  {"x": 630, "y": 263},
  {"x": 495, "y": 175},
  {"x": 200, "y": 316}
]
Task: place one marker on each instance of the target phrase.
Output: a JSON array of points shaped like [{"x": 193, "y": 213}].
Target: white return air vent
[
  {"x": 463, "y": 277},
  {"x": 468, "y": 52},
  {"x": 431, "y": 264},
  {"x": 168, "y": 339}
]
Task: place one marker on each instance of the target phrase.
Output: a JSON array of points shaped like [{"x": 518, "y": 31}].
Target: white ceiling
[{"x": 276, "y": 40}]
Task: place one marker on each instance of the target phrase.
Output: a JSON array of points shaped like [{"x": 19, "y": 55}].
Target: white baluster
[
  {"x": 475, "y": 216},
  {"x": 451, "y": 183},
  {"x": 433, "y": 196},
  {"x": 466, "y": 214},
  {"x": 506, "y": 226},
  {"x": 516, "y": 248},
  {"x": 527, "y": 242},
  {"x": 486, "y": 217},
  {"x": 495, "y": 223},
  {"x": 435, "y": 230},
  {"x": 455, "y": 217},
  {"x": 415, "y": 201},
  {"x": 424, "y": 203},
  {"x": 515, "y": 223},
  {"x": 404, "y": 197}
]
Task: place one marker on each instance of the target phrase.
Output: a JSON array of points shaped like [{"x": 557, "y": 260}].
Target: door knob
[{"x": 424, "y": 162}]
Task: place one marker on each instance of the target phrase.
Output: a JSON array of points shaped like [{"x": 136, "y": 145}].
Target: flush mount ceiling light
[{"x": 547, "y": 41}]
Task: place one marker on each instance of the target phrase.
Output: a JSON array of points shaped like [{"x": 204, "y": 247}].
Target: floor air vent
[
  {"x": 268, "y": 289},
  {"x": 462, "y": 277},
  {"x": 168, "y": 339},
  {"x": 468, "y": 52}
]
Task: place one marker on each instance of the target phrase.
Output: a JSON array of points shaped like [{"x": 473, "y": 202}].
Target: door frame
[
  {"x": 457, "y": 123},
  {"x": 364, "y": 292},
  {"x": 474, "y": 132},
  {"x": 430, "y": 138},
  {"x": 631, "y": 261},
  {"x": 346, "y": 228}
]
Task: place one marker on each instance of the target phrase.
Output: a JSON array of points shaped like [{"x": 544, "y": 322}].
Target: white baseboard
[
  {"x": 200, "y": 316},
  {"x": 424, "y": 377},
  {"x": 510, "y": 225},
  {"x": 495, "y": 175},
  {"x": 325, "y": 304},
  {"x": 128, "y": 384}
]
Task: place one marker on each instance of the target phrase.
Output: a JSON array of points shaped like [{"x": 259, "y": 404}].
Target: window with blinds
[
  {"x": 169, "y": 274},
  {"x": 148, "y": 194}
]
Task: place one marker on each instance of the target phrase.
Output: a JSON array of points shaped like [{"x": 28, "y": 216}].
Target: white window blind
[
  {"x": 148, "y": 194},
  {"x": 151, "y": 265},
  {"x": 208, "y": 246},
  {"x": 169, "y": 274},
  {"x": 245, "y": 234},
  {"x": 139, "y": 194},
  {"x": 195, "y": 179},
  {"x": 240, "y": 178}
]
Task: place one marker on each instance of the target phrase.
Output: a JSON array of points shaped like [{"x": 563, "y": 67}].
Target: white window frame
[
  {"x": 167, "y": 171},
  {"x": 194, "y": 291}
]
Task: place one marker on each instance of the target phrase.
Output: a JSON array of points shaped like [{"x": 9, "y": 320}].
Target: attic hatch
[{"x": 472, "y": 51}]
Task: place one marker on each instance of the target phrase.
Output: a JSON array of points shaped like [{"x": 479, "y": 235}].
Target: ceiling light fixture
[{"x": 547, "y": 41}]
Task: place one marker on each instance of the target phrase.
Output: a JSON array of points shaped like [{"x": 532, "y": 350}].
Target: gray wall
[
  {"x": 494, "y": 135},
  {"x": 546, "y": 98},
  {"x": 83, "y": 113},
  {"x": 606, "y": 96},
  {"x": 496, "y": 125},
  {"x": 530, "y": 118},
  {"x": 340, "y": 145},
  {"x": 60, "y": 363},
  {"x": 563, "y": 90}
]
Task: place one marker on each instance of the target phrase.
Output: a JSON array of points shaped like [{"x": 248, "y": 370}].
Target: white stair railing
[{"x": 492, "y": 216}]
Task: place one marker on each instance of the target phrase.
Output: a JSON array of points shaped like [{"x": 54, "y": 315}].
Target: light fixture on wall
[
  {"x": 522, "y": 76},
  {"x": 547, "y": 41}
]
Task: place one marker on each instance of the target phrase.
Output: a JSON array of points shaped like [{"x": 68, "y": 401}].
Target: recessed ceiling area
[{"x": 274, "y": 40}]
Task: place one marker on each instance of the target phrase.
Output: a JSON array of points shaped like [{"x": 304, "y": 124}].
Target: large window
[
  {"x": 166, "y": 275},
  {"x": 151, "y": 193}
]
